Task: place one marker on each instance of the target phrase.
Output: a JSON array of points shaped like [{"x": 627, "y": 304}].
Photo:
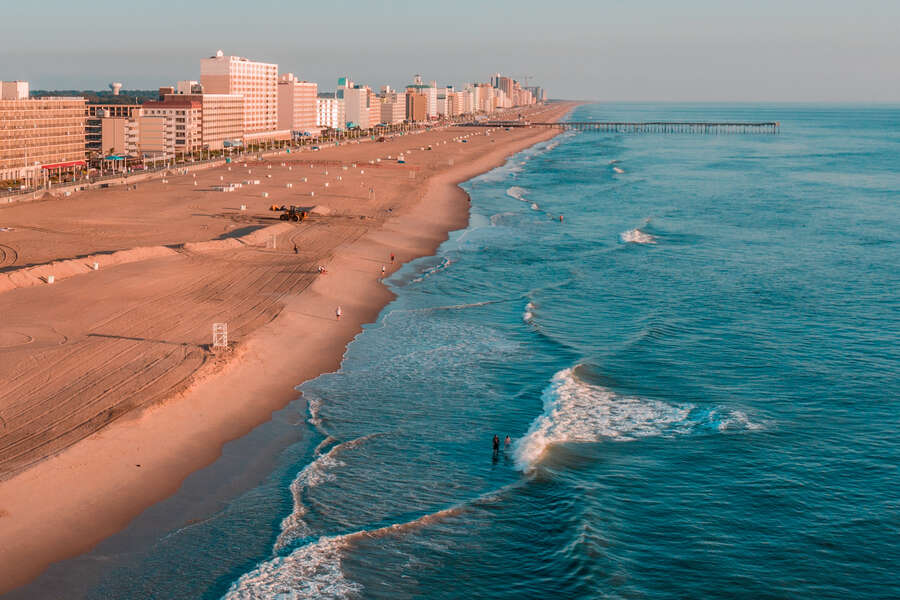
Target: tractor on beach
[{"x": 294, "y": 213}]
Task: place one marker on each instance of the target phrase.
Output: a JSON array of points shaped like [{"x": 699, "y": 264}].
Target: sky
[{"x": 605, "y": 50}]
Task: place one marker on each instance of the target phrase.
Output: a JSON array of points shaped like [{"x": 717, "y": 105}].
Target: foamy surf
[
  {"x": 637, "y": 236},
  {"x": 517, "y": 192},
  {"x": 294, "y": 527},
  {"x": 445, "y": 262},
  {"x": 528, "y": 315},
  {"x": 315, "y": 570},
  {"x": 577, "y": 411}
]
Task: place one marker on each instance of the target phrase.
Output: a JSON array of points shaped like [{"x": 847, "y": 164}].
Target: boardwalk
[{"x": 702, "y": 127}]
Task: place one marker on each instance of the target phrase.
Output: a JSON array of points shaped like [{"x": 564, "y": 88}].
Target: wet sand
[{"x": 109, "y": 390}]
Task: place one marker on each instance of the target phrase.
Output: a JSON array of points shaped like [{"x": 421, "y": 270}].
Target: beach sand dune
[{"x": 109, "y": 388}]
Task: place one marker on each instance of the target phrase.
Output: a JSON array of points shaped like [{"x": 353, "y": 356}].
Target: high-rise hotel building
[
  {"x": 257, "y": 82},
  {"x": 297, "y": 104},
  {"x": 39, "y": 135}
]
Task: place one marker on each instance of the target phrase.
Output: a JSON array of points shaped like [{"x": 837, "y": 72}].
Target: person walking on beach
[
  {"x": 295, "y": 247},
  {"x": 338, "y": 312},
  {"x": 392, "y": 258},
  {"x": 382, "y": 271}
]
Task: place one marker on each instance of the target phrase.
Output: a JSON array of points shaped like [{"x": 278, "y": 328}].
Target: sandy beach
[{"x": 110, "y": 394}]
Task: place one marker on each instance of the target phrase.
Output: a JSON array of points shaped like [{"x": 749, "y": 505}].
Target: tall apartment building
[
  {"x": 416, "y": 107},
  {"x": 183, "y": 120},
  {"x": 374, "y": 107},
  {"x": 297, "y": 104},
  {"x": 257, "y": 82},
  {"x": 430, "y": 92},
  {"x": 537, "y": 92},
  {"x": 484, "y": 98},
  {"x": 330, "y": 112},
  {"x": 393, "y": 107},
  {"x": 356, "y": 106},
  {"x": 39, "y": 134}
]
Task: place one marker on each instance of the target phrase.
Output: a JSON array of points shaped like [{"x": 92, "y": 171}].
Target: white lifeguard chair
[{"x": 220, "y": 335}]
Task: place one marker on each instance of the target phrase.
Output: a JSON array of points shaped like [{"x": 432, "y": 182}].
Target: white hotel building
[
  {"x": 257, "y": 82},
  {"x": 330, "y": 113}
]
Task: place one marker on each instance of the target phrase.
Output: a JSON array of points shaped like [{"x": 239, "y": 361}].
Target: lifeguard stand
[{"x": 220, "y": 335}]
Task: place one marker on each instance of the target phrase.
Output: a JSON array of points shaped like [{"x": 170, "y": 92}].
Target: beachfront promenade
[{"x": 697, "y": 127}]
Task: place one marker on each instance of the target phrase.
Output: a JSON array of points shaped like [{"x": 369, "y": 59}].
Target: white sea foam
[
  {"x": 321, "y": 469},
  {"x": 528, "y": 315},
  {"x": 445, "y": 262},
  {"x": 577, "y": 411},
  {"x": 499, "y": 218},
  {"x": 636, "y": 236},
  {"x": 315, "y": 570},
  {"x": 312, "y": 571},
  {"x": 517, "y": 192},
  {"x": 534, "y": 206}
]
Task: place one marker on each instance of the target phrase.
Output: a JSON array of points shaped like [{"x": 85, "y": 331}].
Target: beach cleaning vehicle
[{"x": 294, "y": 213}]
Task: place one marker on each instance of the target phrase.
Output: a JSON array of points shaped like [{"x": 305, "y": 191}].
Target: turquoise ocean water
[{"x": 698, "y": 369}]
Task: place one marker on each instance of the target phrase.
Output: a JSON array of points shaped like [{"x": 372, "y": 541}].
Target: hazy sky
[{"x": 656, "y": 50}]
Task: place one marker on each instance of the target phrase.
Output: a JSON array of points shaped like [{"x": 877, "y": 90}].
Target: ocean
[{"x": 697, "y": 368}]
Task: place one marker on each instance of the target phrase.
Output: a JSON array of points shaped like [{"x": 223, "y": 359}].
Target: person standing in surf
[{"x": 496, "y": 443}]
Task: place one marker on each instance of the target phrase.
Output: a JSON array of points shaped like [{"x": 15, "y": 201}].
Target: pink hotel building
[{"x": 257, "y": 82}]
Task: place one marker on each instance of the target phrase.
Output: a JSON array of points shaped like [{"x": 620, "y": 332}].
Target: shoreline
[{"x": 105, "y": 488}]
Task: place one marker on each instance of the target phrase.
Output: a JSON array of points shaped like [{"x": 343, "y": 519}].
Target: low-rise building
[
  {"x": 221, "y": 118},
  {"x": 157, "y": 137},
  {"x": 183, "y": 120},
  {"x": 94, "y": 119},
  {"x": 120, "y": 135}
]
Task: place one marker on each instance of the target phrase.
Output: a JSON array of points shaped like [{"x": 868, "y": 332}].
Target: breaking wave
[
  {"x": 637, "y": 236},
  {"x": 445, "y": 262},
  {"x": 578, "y": 411},
  {"x": 517, "y": 192},
  {"x": 294, "y": 527},
  {"x": 501, "y": 218},
  {"x": 528, "y": 315},
  {"x": 315, "y": 570}
]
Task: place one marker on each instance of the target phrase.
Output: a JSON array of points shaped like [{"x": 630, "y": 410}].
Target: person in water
[
  {"x": 507, "y": 442},
  {"x": 496, "y": 443}
]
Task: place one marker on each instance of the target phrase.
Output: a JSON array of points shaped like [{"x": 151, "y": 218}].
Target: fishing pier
[{"x": 634, "y": 127}]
